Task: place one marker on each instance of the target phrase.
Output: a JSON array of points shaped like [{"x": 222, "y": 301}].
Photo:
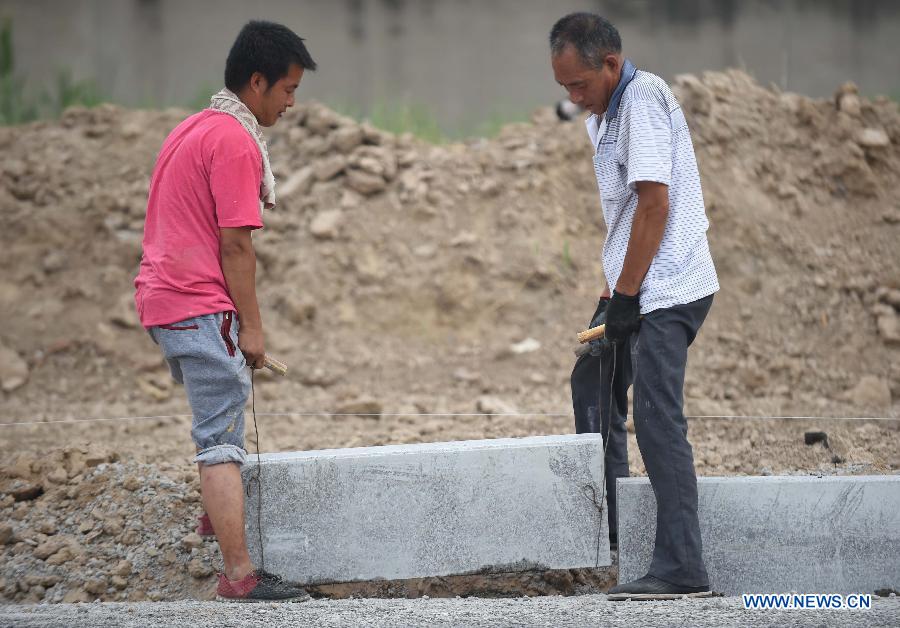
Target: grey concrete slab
[
  {"x": 408, "y": 511},
  {"x": 837, "y": 534}
]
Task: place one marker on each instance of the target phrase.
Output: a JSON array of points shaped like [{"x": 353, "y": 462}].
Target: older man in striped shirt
[{"x": 660, "y": 281}]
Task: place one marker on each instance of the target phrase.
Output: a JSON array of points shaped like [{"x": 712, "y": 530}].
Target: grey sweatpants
[
  {"x": 203, "y": 354},
  {"x": 653, "y": 361}
]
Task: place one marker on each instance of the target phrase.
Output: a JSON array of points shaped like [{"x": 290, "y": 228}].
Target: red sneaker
[
  {"x": 259, "y": 586},
  {"x": 204, "y": 528}
]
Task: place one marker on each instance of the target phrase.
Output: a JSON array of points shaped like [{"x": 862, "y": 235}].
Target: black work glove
[
  {"x": 623, "y": 316},
  {"x": 599, "y": 345}
]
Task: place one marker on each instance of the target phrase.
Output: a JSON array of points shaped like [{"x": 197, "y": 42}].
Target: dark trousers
[{"x": 653, "y": 361}]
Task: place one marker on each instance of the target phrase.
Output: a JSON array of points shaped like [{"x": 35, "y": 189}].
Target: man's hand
[
  {"x": 252, "y": 345},
  {"x": 623, "y": 316}
]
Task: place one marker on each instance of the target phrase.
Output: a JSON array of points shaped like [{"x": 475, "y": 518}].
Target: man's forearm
[
  {"x": 647, "y": 231},
  {"x": 239, "y": 268}
]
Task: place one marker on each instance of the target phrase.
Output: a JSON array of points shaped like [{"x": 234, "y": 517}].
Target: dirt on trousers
[{"x": 426, "y": 293}]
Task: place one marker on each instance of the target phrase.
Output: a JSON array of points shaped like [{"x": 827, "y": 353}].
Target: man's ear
[
  {"x": 258, "y": 83},
  {"x": 613, "y": 62}
]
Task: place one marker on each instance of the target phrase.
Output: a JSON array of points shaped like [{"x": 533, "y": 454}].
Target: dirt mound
[{"x": 400, "y": 279}]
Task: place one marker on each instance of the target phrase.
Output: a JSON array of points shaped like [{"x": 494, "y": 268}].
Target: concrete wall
[
  {"x": 779, "y": 534},
  {"x": 407, "y": 511}
]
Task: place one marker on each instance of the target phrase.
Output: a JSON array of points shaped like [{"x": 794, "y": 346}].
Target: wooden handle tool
[
  {"x": 275, "y": 366},
  {"x": 591, "y": 334}
]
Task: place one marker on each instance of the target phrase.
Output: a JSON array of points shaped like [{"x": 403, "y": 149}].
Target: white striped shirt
[{"x": 643, "y": 136}]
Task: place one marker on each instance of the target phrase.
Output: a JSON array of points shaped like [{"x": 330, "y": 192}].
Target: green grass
[
  {"x": 398, "y": 118},
  {"x": 202, "y": 96},
  {"x": 424, "y": 124}
]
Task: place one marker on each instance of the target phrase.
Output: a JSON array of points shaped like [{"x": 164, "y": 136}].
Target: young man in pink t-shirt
[{"x": 196, "y": 288}]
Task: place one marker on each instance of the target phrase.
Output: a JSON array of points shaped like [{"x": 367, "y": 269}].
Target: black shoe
[
  {"x": 651, "y": 588},
  {"x": 259, "y": 586}
]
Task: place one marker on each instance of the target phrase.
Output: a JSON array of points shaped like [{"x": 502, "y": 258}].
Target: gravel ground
[{"x": 543, "y": 611}]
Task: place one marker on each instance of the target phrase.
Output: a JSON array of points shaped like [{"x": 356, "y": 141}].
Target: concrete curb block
[
  {"x": 410, "y": 511},
  {"x": 779, "y": 533}
]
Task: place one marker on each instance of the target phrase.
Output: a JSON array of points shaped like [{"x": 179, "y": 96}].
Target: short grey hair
[{"x": 592, "y": 36}]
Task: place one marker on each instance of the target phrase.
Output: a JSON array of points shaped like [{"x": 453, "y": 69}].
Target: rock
[
  {"x": 96, "y": 586},
  {"x": 872, "y": 138},
  {"x": 365, "y": 183},
  {"x": 58, "y": 476},
  {"x": 76, "y": 596},
  {"x": 369, "y": 266},
  {"x": 26, "y": 492},
  {"x": 131, "y": 483},
  {"x": 191, "y": 541},
  {"x": 538, "y": 378},
  {"x": 487, "y": 404},
  {"x": 21, "y": 468},
  {"x": 374, "y": 135},
  {"x": 118, "y": 582},
  {"x": 890, "y": 296},
  {"x": 54, "y": 261},
  {"x": 122, "y": 568},
  {"x": 850, "y": 104},
  {"x": 425, "y": 251},
  {"x": 297, "y": 184},
  {"x": 870, "y": 392},
  {"x": 300, "y": 309},
  {"x": 199, "y": 568},
  {"x": 50, "y": 547},
  {"x": 350, "y": 200},
  {"x": 321, "y": 119},
  {"x": 464, "y": 238},
  {"x": 131, "y": 537},
  {"x": 95, "y": 458},
  {"x": 414, "y": 185},
  {"x": 360, "y": 406},
  {"x": 124, "y": 313},
  {"x": 13, "y": 370},
  {"x": 489, "y": 187},
  {"x": 7, "y": 534},
  {"x": 347, "y": 138},
  {"x": 326, "y": 225},
  {"x": 317, "y": 376},
  {"x": 693, "y": 94},
  {"x": 370, "y": 165},
  {"x": 156, "y": 386},
  {"x": 330, "y": 167},
  {"x": 466, "y": 376},
  {"x": 48, "y": 527},
  {"x": 888, "y": 325},
  {"x": 526, "y": 346},
  {"x": 112, "y": 526}
]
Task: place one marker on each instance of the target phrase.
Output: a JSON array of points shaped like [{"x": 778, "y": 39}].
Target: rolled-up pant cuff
[{"x": 219, "y": 454}]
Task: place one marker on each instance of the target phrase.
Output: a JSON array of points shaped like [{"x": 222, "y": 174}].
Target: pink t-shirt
[{"x": 207, "y": 176}]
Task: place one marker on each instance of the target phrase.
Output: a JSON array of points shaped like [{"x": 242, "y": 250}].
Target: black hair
[
  {"x": 592, "y": 36},
  {"x": 267, "y": 48}
]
